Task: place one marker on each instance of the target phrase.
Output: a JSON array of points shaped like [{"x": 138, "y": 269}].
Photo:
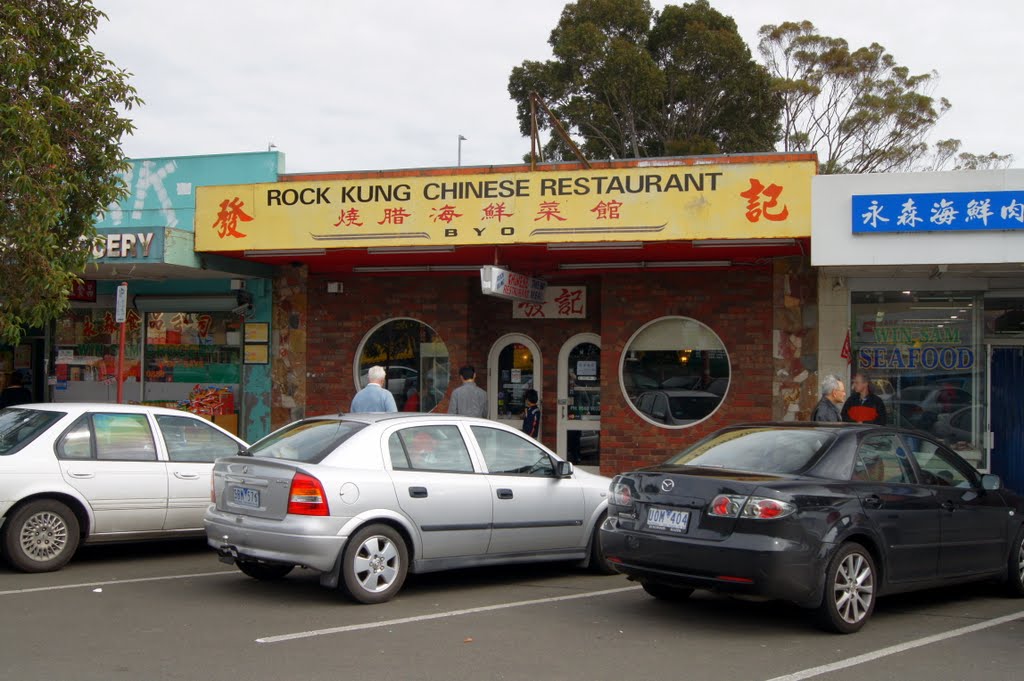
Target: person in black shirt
[
  {"x": 531, "y": 417},
  {"x": 863, "y": 406}
]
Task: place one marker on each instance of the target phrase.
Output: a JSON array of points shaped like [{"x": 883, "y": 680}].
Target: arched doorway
[
  {"x": 513, "y": 367},
  {"x": 579, "y": 400}
]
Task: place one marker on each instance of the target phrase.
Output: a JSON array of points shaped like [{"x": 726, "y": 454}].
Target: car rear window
[
  {"x": 306, "y": 441},
  {"x": 757, "y": 450},
  {"x": 18, "y": 427}
]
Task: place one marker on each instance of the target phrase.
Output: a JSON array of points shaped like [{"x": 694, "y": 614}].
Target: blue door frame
[{"x": 1006, "y": 372}]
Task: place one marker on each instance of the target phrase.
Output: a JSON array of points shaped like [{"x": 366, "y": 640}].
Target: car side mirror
[
  {"x": 563, "y": 469},
  {"x": 991, "y": 481}
]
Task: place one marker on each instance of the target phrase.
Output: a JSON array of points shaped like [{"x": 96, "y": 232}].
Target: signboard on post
[
  {"x": 495, "y": 281},
  {"x": 121, "y": 308}
]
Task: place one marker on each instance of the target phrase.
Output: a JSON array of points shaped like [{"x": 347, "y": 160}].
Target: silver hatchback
[{"x": 367, "y": 498}]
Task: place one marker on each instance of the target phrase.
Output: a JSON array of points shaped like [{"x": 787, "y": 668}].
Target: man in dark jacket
[
  {"x": 833, "y": 393},
  {"x": 864, "y": 406}
]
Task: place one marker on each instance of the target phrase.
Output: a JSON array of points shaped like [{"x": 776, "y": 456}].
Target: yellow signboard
[{"x": 656, "y": 203}]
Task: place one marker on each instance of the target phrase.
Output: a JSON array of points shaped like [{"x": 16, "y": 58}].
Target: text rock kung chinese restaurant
[{"x": 648, "y": 302}]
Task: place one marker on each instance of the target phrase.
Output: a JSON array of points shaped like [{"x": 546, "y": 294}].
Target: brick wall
[{"x": 737, "y": 305}]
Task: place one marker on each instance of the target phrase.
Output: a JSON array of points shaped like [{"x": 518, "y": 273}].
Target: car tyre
[
  {"x": 374, "y": 564},
  {"x": 851, "y": 586},
  {"x": 41, "y": 536},
  {"x": 1015, "y": 567},
  {"x": 265, "y": 572},
  {"x": 663, "y": 592},
  {"x": 598, "y": 563}
]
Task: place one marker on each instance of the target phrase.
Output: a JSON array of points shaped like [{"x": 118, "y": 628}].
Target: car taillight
[
  {"x": 307, "y": 496},
  {"x": 213, "y": 489},
  {"x": 762, "y": 508},
  {"x": 756, "y": 508},
  {"x": 726, "y": 505},
  {"x": 622, "y": 495}
]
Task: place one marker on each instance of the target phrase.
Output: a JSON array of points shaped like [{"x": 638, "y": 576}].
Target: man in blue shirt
[{"x": 374, "y": 398}]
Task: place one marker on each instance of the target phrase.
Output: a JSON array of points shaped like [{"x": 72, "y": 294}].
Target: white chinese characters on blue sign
[{"x": 946, "y": 212}]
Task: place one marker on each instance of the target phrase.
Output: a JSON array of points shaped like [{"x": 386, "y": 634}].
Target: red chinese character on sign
[
  {"x": 348, "y": 218},
  {"x": 228, "y": 216},
  {"x": 109, "y": 325},
  {"x": 496, "y": 210},
  {"x": 204, "y": 322},
  {"x": 570, "y": 302},
  {"x": 756, "y": 209},
  {"x": 445, "y": 214},
  {"x": 532, "y": 310},
  {"x": 88, "y": 330},
  {"x": 395, "y": 216},
  {"x": 548, "y": 210},
  {"x": 181, "y": 319},
  {"x": 132, "y": 322},
  {"x": 607, "y": 210}
]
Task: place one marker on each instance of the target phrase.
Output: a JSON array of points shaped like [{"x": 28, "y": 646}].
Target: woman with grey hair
[{"x": 833, "y": 394}]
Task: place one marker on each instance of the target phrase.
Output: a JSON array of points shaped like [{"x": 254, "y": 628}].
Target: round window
[
  {"x": 675, "y": 372},
  {"x": 414, "y": 357}
]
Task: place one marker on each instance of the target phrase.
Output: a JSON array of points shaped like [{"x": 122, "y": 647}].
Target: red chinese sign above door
[{"x": 560, "y": 302}]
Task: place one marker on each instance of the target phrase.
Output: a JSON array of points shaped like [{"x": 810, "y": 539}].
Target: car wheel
[
  {"x": 664, "y": 592},
  {"x": 375, "y": 563},
  {"x": 598, "y": 563},
  {"x": 1015, "y": 567},
  {"x": 41, "y": 536},
  {"x": 265, "y": 572},
  {"x": 850, "y": 587}
]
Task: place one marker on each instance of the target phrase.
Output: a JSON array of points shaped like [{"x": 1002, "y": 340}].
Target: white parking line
[
  {"x": 83, "y": 585},
  {"x": 899, "y": 648},
  {"x": 438, "y": 615}
]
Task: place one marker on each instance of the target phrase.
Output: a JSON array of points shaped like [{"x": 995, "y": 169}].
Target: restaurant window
[
  {"x": 675, "y": 372},
  {"x": 415, "y": 359},
  {"x": 924, "y": 358}
]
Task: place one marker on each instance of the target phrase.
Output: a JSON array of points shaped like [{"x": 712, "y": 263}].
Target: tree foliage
[
  {"x": 61, "y": 125},
  {"x": 858, "y": 109},
  {"x": 629, "y": 82}
]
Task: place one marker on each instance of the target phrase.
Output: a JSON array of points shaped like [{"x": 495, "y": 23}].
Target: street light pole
[{"x": 461, "y": 140}]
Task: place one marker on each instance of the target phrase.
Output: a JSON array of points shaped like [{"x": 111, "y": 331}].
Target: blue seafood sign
[{"x": 938, "y": 212}]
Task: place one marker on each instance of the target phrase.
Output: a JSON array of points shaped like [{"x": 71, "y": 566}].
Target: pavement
[{"x": 170, "y": 610}]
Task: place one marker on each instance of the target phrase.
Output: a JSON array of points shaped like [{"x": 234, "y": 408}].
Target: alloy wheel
[
  {"x": 44, "y": 536},
  {"x": 1020, "y": 561},
  {"x": 854, "y": 588},
  {"x": 376, "y": 564}
]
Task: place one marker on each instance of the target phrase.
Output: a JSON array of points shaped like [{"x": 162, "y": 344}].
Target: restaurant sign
[
  {"x": 942, "y": 211},
  {"x": 560, "y": 302},
  {"x": 501, "y": 283},
  {"x": 666, "y": 202}
]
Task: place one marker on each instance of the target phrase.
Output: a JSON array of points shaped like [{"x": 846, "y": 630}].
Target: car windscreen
[
  {"x": 758, "y": 450},
  {"x": 19, "y": 426},
  {"x": 306, "y": 441}
]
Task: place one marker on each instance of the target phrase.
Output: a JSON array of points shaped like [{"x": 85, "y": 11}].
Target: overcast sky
[{"x": 354, "y": 84}]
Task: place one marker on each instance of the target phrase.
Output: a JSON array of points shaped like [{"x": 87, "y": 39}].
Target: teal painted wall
[{"x": 162, "y": 197}]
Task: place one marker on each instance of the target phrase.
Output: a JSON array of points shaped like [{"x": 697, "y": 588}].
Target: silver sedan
[{"x": 367, "y": 498}]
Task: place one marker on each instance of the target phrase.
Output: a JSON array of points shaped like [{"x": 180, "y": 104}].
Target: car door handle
[
  {"x": 948, "y": 506},
  {"x": 418, "y": 492},
  {"x": 186, "y": 476},
  {"x": 81, "y": 475},
  {"x": 504, "y": 493},
  {"x": 872, "y": 501}
]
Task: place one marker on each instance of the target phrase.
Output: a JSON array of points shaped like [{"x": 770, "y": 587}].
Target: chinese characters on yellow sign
[{"x": 662, "y": 203}]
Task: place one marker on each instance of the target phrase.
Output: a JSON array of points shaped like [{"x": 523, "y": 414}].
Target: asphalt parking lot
[{"x": 172, "y": 611}]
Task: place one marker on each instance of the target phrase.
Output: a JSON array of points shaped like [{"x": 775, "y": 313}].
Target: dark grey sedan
[{"x": 827, "y": 516}]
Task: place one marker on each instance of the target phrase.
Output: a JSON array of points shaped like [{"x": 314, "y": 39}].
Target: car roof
[
  {"x": 82, "y": 407},
  {"x": 834, "y": 427},
  {"x": 378, "y": 417}
]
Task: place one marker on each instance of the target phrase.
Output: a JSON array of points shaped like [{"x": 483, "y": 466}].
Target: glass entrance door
[
  {"x": 513, "y": 367},
  {"x": 579, "y": 400}
]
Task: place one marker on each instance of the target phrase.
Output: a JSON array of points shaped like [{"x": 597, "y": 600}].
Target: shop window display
[
  {"x": 923, "y": 354},
  {"x": 675, "y": 372},
  {"x": 515, "y": 377},
  {"x": 415, "y": 359}
]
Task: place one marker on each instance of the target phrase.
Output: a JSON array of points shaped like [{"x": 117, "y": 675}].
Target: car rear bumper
[
  {"x": 311, "y": 542},
  {"x": 748, "y": 564}
]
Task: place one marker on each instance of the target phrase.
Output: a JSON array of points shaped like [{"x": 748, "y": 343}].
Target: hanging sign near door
[
  {"x": 560, "y": 302},
  {"x": 495, "y": 281}
]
